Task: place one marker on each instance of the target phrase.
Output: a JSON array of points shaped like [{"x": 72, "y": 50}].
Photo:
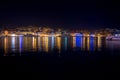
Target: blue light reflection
[
  {"x": 92, "y": 43},
  {"x": 78, "y": 41},
  {"x": 53, "y": 42},
  {"x": 20, "y": 43},
  {"x": 65, "y": 43}
]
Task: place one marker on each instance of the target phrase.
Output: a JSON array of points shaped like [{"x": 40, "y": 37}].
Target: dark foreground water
[{"x": 88, "y": 56}]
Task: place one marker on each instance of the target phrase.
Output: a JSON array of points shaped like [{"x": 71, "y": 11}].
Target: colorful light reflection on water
[{"x": 59, "y": 44}]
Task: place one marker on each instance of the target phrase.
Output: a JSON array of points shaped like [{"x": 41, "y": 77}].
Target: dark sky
[{"x": 90, "y": 14}]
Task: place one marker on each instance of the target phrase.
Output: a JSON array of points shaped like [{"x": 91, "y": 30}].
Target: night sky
[{"x": 90, "y": 14}]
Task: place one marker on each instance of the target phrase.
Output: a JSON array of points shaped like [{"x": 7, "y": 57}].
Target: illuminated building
[{"x": 6, "y": 33}]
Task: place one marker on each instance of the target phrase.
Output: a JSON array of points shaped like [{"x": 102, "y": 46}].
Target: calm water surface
[
  {"x": 85, "y": 55},
  {"x": 20, "y": 45}
]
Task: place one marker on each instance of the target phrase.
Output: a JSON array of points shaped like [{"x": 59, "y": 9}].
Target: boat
[{"x": 113, "y": 38}]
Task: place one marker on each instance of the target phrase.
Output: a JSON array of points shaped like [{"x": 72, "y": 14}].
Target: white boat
[{"x": 113, "y": 38}]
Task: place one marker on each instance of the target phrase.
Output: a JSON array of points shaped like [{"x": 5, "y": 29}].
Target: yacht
[{"x": 115, "y": 37}]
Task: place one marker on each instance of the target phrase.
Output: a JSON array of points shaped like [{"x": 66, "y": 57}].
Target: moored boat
[{"x": 114, "y": 38}]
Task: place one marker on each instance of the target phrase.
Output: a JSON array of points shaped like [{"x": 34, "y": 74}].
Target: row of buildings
[
  {"x": 45, "y": 31},
  {"x": 29, "y": 31}
]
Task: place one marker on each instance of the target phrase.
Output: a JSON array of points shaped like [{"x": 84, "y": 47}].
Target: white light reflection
[
  {"x": 52, "y": 42},
  {"x": 34, "y": 43},
  {"x": 65, "y": 43},
  {"x": 13, "y": 43}
]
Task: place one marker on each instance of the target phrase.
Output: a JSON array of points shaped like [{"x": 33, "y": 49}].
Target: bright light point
[{"x": 13, "y": 35}]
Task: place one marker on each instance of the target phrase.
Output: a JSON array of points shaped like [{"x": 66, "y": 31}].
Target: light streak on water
[
  {"x": 83, "y": 46},
  {"x": 92, "y": 39},
  {"x": 79, "y": 41},
  {"x": 39, "y": 43},
  {"x": 74, "y": 42},
  {"x": 13, "y": 43},
  {"x": 20, "y": 43},
  {"x": 34, "y": 43},
  {"x": 5, "y": 45},
  {"x": 59, "y": 43},
  {"x": 65, "y": 43},
  {"x": 88, "y": 43},
  {"x": 99, "y": 42},
  {"x": 53, "y": 40},
  {"x": 48, "y": 44}
]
